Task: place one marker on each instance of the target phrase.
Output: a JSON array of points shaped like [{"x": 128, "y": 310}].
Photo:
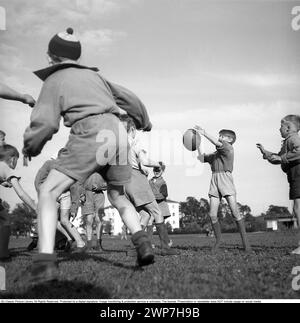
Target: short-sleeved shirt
[
  {"x": 6, "y": 173},
  {"x": 222, "y": 160},
  {"x": 135, "y": 150}
]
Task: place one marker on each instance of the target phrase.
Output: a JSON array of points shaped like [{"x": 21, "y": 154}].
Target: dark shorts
[
  {"x": 4, "y": 216},
  {"x": 94, "y": 202},
  {"x": 294, "y": 180},
  {"x": 164, "y": 208},
  {"x": 97, "y": 144},
  {"x": 138, "y": 190},
  {"x": 295, "y": 190}
]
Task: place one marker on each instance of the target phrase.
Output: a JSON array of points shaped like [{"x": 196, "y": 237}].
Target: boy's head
[
  {"x": 64, "y": 46},
  {"x": 290, "y": 124},
  {"x": 228, "y": 136},
  {"x": 10, "y": 155},
  {"x": 2, "y": 138},
  {"x": 158, "y": 171},
  {"x": 129, "y": 125}
]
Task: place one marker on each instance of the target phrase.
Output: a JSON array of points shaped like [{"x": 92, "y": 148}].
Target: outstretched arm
[
  {"x": 209, "y": 137},
  {"x": 272, "y": 158},
  {"x": 22, "y": 194},
  {"x": 10, "y": 94}
]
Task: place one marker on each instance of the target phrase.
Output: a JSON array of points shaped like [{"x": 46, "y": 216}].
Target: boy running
[
  {"x": 97, "y": 143},
  {"x": 139, "y": 191}
]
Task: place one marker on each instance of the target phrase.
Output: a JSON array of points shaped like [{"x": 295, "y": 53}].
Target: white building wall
[
  {"x": 112, "y": 215},
  {"x": 273, "y": 225},
  {"x": 175, "y": 215}
]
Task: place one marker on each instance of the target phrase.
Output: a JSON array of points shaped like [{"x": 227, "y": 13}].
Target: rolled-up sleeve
[{"x": 45, "y": 118}]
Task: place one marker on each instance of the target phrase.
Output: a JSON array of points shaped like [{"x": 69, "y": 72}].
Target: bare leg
[
  {"x": 61, "y": 229},
  {"x": 55, "y": 184},
  {"x": 65, "y": 221},
  {"x": 127, "y": 211},
  {"x": 117, "y": 198},
  {"x": 231, "y": 200},
  {"x": 213, "y": 213},
  {"x": 89, "y": 229}
]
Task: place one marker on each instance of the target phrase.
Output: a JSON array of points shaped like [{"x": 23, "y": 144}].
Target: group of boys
[{"x": 104, "y": 119}]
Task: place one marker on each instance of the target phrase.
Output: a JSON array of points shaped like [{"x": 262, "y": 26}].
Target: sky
[{"x": 219, "y": 64}]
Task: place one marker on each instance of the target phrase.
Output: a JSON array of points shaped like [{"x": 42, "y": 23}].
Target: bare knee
[{"x": 49, "y": 192}]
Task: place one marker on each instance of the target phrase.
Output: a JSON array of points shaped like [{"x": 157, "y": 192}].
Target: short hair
[
  {"x": 7, "y": 152},
  {"x": 229, "y": 133},
  {"x": 2, "y": 133},
  {"x": 294, "y": 119},
  {"x": 127, "y": 121}
]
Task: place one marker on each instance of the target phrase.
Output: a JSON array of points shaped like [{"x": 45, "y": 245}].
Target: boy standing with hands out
[
  {"x": 222, "y": 185},
  {"x": 289, "y": 159}
]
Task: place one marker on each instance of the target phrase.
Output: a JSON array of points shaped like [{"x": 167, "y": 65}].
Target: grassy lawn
[{"x": 195, "y": 274}]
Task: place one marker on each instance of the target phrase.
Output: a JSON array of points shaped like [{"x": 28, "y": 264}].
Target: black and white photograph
[{"x": 150, "y": 152}]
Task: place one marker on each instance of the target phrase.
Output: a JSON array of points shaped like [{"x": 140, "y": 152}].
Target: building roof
[{"x": 274, "y": 217}]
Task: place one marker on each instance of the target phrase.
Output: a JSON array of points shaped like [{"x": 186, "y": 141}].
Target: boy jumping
[
  {"x": 222, "y": 185},
  {"x": 97, "y": 143},
  {"x": 289, "y": 159}
]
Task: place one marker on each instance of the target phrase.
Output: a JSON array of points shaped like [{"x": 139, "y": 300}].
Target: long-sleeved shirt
[
  {"x": 72, "y": 93},
  {"x": 75, "y": 92},
  {"x": 289, "y": 153}
]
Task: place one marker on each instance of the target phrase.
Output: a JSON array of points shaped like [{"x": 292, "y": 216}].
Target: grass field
[{"x": 195, "y": 274}]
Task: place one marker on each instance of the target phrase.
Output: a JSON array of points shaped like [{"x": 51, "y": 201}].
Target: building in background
[{"x": 112, "y": 216}]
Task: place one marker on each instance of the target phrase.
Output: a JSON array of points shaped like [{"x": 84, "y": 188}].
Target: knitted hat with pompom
[{"x": 65, "y": 45}]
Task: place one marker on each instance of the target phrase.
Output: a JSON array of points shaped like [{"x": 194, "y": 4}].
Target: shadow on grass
[
  {"x": 95, "y": 257},
  {"x": 60, "y": 290}
]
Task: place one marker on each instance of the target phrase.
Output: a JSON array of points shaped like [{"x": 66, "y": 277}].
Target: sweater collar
[{"x": 44, "y": 73}]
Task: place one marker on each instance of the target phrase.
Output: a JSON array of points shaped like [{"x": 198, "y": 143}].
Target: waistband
[{"x": 91, "y": 117}]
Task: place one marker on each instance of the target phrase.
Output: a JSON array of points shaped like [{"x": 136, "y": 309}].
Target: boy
[
  {"x": 222, "y": 185},
  {"x": 93, "y": 208},
  {"x": 160, "y": 190},
  {"x": 10, "y": 94},
  {"x": 289, "y": 159},
  {"x": 139, "y": 191},
  {"x": 9, "y": 156},
  {"x": 64, "y": 205},
  {"x": 84, "y": 99}
]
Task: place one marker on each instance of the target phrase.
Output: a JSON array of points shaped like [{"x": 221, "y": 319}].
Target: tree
[
  {"x": 22, "y": 219},
  {"x": 195, "y": 214},
  {"x": 275, "y": 212}
]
